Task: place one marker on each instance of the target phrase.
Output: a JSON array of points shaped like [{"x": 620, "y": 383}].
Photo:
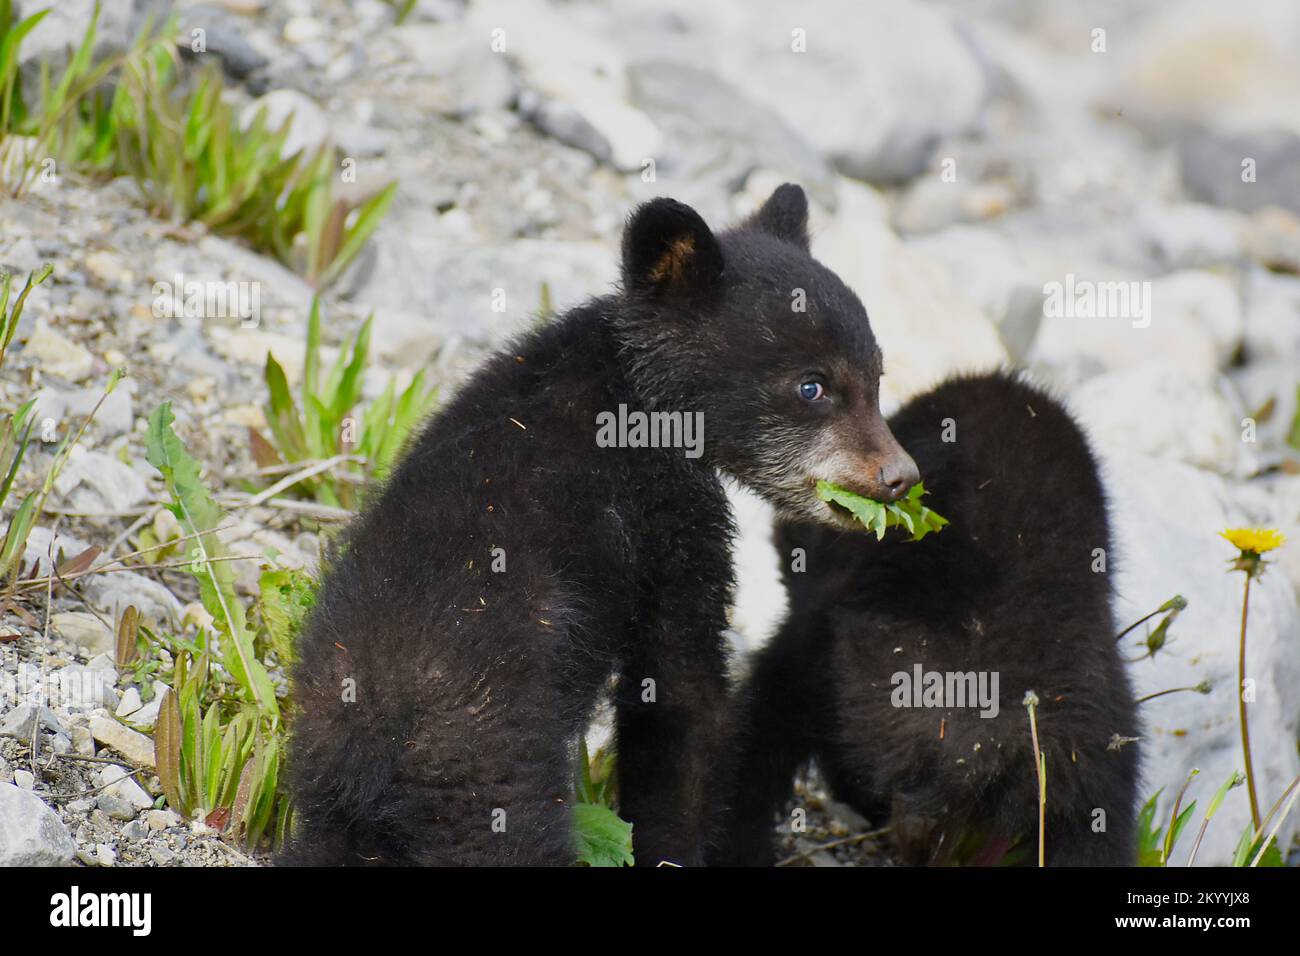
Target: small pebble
[
  {"x": 161, "y": 855},
  {"x": 162, "y": 819},
  {"x": 116, "y": 807},
  {"x": 136, "y": 830}
]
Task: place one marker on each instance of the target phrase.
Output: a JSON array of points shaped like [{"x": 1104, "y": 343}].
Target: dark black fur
[
  {"x": 471, "y": 685},
  {"x": 1008, "y": 586}
]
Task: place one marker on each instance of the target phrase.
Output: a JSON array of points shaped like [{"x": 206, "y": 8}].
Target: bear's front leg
[{"x": 671, "y": 706}]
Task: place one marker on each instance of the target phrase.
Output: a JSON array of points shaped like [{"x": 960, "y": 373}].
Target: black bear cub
[
  {"x": 561, "y": 521},
  {"x": 903, "y": 666}
]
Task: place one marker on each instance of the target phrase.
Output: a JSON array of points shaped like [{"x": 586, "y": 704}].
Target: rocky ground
[{"x": 961, "y": 157}]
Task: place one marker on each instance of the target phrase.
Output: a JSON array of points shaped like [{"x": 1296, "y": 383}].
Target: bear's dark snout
[
  {"x": 898, "y": 474},
  {"x": 882, "y": 470}
]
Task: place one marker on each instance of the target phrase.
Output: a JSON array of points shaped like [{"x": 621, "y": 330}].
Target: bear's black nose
[{"x": 898, "y": 475}]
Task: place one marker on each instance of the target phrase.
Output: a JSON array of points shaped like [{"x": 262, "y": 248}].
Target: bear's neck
[{"x": 655, "y": 360}]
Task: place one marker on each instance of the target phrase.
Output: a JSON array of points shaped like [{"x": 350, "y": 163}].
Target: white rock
[
  {"x": 603, "y": 126},
  {"x": 1192, "y": 319},
  {"x": 456, "y": 285},
  {"x": 119, "y": 783},
  {"x": 42, "y": 542},
  {"x": 1272, "y": 238},
  {"x": 25, "y": 779},
  {"x": 854, "y": 201},
  {"x": 303, "y": 29},
  {"x": 162, "y": 819},
  {"x": 161, "y": 855},
  {"x": 218, "y": 259},
  {"x": 982, "y": 264},
  {"x": 51, "y": 405},
  {"x": 62, "y": 30},
  {"x": 404, "y": 338},
  {"x": 1204, "y": 300},
  {"x": 1201, "y": 63},
  {"x": 714, "y": 135},
  {"x": 250, "y": 346},
  {"x": 85, "y": 630},
  {"x": 308, "y": 125},
  {"x": 92, "y": 481},
  {"x": 115, "y": 807},
  {"x": 57, "y": 354},
  {"x": 471, "y": 77},
  {"x": 1284, "y": 515},
  {"x": 136, "y": 830},
  {"x": 1190, "y": 235},
  {"x": 130, "y": 703},
  {"x": 112, "y": 593},
  {"x": 22, "y": 720},
  {"x": 1269, "y": 386},
  {"x": 1272, "y": 304},
  {"x": 1166, "y": 520},
  {"x": 115, "y": 415},
  {"x": 146, "y": 717},
  {"x": 136, "y": 747},
  {"x": 925, "y": 328},
  {"x": 914, "y": 79},
  {"x": 580, "y": 98},
  {"x": 31, "y": 834},
  {"x": 83, "y": 742},
  {"x": 1159, "y": 410}
]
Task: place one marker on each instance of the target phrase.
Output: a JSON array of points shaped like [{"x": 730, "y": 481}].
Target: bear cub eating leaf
[
  {"x": 902, "y": 667},
  {"x": 517, "y": 557}
]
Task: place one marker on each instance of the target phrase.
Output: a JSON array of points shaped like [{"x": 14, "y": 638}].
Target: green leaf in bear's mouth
[
  {"x": 603, "y": 838},
  {"x": 879, "y": 516}
]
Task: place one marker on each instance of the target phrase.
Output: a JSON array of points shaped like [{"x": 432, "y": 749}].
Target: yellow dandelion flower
[{"x": 1255, "y": 540}]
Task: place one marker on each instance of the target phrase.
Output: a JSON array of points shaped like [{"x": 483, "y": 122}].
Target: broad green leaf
[
  {"x": 878, "y": 516},
  {"x": 1248, "y": 847},
  {"x": 282, "y": 414},
  {"x": 603, "y": 838}
]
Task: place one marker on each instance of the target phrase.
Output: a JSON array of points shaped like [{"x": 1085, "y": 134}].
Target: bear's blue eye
[{"x": 812, "y": 391}]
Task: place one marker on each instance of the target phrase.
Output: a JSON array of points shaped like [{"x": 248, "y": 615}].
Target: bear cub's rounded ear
[
  {"x": 784, "y": 215},
  {"x": 668, "y": 248}
]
